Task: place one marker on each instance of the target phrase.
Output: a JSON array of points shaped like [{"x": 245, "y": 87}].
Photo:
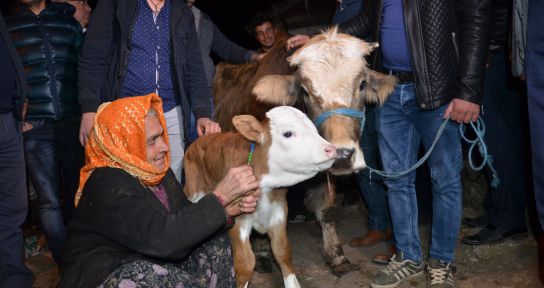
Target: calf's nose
[
  {"x": 345, "y": 153},
  {"x": 330, "y": 151}
]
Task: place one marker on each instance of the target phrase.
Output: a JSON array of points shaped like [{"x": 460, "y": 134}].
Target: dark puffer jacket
[
  {"x": 448, "y": 41},
  {"x": 49, "y": 45}
]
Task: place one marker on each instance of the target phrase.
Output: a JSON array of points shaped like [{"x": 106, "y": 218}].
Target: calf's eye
[{"x": 287, "y": 134}]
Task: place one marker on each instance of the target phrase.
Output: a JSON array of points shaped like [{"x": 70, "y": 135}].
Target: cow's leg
[
  {"x": 244, "y": 259},
  {"x": 321, "y": 200},
  {"x": 282, "y": 251}
]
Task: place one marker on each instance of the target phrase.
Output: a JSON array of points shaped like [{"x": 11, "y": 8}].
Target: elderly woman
[{"x": 133, "y": 226}]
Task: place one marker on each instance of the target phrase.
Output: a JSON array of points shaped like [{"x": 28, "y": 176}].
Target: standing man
[
  {"x": 212, "y": 40},
  {"x": 13, "y": 195},
  {"x": 506, "y": 139},
  {"x": 48, "y": 40},
  {"x": 534, "y": 67},
  {"x": 440, "y": 67},
  {"x": 137, "y": 47}
]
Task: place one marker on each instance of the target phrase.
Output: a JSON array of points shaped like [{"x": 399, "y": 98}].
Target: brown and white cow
[
  {"x": 288, "y": 150},
  {"x": 324, "y": 74}
]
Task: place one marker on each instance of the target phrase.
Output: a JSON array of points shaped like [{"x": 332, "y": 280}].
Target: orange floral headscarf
[{"x": 118, "y": 140}]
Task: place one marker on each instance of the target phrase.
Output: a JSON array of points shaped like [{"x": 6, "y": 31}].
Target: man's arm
[
  {"x": 93, "y": 64},
  {"x": 475, "y": 31},
  {"x": 360, "y": 25},
  {"x": 228, "y": 50},
  {"x": 197, "y": 86}
]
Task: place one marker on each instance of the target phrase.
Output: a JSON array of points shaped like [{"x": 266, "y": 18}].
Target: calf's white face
[{"x": 297, "y": 151}]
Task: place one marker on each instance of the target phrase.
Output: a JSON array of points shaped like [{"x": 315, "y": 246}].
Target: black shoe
[
  {"x": 493, "y": 235},
  {"x": 480, "y": 221}
]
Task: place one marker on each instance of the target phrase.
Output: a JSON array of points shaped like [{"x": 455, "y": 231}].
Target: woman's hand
[
  {"x": 244, "y": 205},
  {"x": 238, "y": 182}
]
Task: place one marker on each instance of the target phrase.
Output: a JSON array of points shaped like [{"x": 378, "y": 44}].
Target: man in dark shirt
[
  {"x": 152, "y": 48},
  {"x": 13, "y": 201}
]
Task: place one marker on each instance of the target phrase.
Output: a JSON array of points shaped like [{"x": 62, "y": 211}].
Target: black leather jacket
[
  {"x": 49, "y": 46},
  {"x": 448, "y": 42}
]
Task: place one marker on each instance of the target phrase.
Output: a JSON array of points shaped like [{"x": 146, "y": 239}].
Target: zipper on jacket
[
  {"x": 378, "y": 29},
  {"x": 50, "y": 68},
  {"x": 454, "y": 39}
]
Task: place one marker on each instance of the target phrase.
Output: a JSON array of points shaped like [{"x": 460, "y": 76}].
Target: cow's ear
[
  {"x": 249, "y": 127},
  {"x": 378, "y": 87},
  {"x": 277, "y": 90}
]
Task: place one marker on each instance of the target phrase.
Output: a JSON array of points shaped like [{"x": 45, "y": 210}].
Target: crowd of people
[{"x": 110, "y": 102}]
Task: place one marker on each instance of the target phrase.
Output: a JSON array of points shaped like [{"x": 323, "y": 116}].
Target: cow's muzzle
[{"x": 344, "y": 160}]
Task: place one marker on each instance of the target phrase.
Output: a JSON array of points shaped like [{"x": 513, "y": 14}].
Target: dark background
[{"x": 233, "y": 16}]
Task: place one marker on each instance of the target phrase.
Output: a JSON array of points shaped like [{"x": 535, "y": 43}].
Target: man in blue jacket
[{"x": 137, "y": 47}]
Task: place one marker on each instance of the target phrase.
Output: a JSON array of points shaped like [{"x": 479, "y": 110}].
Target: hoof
[{"x": 343, "y": 269}]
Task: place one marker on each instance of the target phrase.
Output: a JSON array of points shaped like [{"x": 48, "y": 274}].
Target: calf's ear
[
  {"x": 378, "y": 87},
  {"x": 277, "y": 90},
  {"x": 249, "y": 127}
]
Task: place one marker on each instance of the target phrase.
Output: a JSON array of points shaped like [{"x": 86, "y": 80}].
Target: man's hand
[
  {"x": 87, "y": 122},
  {"x": 296, "y": 41},
  {"x": 206, "y": 126},
  {"x": 462, "y": 111},
  {"x": 238, "y": 182},
  {"x": 257, "y": 57}
]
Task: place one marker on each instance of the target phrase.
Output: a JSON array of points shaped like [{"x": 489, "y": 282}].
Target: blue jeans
[
  {"x": 54, "y": 157},
  {"x": 372, "y": 187},
  {"x": 401, "y": 127}
]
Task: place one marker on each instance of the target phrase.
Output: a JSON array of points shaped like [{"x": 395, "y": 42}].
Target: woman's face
[{"x": 156, "y": 146}]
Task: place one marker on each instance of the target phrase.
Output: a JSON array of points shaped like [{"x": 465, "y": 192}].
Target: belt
[{"x": 403, "y": 76}]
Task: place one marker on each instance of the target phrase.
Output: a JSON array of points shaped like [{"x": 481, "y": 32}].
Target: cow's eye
[{"x": 287, "y": 134}]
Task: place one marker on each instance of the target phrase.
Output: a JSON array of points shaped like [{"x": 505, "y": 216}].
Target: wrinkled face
[
  {"x": 330, "y": 68},
  {"x": 83, "y": 11},
  {"x": 297, "y": 152},
  {"x": 264, "y": 34},
  {"x": 156, "y": 145}
]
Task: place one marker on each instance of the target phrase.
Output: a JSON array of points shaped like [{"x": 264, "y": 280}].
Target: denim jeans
[
  {"x": 54, "y": 157},
  {"x": 372, "y": 187},
  {"x": 401, "y": 127}
]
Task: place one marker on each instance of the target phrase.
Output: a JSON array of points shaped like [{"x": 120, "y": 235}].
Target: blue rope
[
  {"x": 479, "y": 129},
  {"x": 341, "y": 111}
]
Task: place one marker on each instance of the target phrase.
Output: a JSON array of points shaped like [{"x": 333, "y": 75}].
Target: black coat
[
  {"x": 106, "y": 53},
  {"x": 118, "y": 220},
  {"x": 19, "y": 96},
  {"x": 448, "y": 42}
]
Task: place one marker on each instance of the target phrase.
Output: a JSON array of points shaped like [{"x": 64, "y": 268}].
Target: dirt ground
[{"x": 509, "y": 264}]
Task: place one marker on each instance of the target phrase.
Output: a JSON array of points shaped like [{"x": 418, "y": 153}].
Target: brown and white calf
[
  {"x": 325, "y": 74},
  {"x": 288, "y": 150}
]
